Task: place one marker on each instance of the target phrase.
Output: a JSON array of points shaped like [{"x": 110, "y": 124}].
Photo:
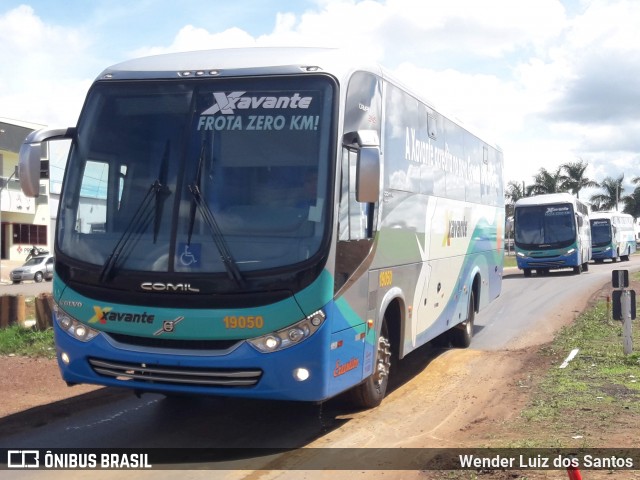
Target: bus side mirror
[
  {"x": 580, "y": 221},
  {"x": 30, "y": 160},
  {"x": 367, "y": 164},
  {"x": 368, "y": 175}
]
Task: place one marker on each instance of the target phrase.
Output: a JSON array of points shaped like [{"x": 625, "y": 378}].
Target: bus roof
[
  {"x": 241, "y": 61},
  {"x": 547, "y": 199},
  {"x": 609, "y": 214}
]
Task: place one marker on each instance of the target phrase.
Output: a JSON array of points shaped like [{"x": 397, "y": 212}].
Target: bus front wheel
[{"x": 369, "y": 394}]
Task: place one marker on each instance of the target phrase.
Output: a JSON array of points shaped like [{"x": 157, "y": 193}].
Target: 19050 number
[{"x": 233, "y": 322}]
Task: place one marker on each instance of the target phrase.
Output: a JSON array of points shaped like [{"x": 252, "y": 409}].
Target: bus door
[{"x": 350, "y": 355}]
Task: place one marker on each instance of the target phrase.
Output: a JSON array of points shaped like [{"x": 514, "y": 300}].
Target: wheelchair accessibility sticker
[{"x": 189, "y": 254}]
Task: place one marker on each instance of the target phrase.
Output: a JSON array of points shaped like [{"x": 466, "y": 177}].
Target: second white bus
[{"x": 612, "y": 236}]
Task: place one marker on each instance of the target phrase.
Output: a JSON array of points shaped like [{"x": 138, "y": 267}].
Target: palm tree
[
  {"x": 546, "y": 182},
  {"x": 632, "y": 202},
  {"x": 514, "y": 192},
  {"x": 610, "y": 198},
  {"x": 574, "y": 178}
]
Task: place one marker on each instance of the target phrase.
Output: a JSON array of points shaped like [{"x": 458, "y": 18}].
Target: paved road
[
  {"x": 523, "y": 299},
  {"x": 28, "y": 288}
]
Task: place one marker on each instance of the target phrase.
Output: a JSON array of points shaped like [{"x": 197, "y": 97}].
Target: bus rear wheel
[{"x": 369, "y": 394}]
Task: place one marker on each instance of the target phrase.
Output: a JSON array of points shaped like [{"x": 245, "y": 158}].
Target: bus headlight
[
  {"x": 520, "y": 254},
  {"x": 289, "y": 336},
  {"x": 77, "y": 330},
  {"x": 571, "y": 251}
]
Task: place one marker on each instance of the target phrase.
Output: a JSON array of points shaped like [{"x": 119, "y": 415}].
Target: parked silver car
[{"x": 36, "y": 269}]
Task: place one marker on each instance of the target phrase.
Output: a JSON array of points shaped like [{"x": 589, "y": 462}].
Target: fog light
[
  {"x": 65, "y": 358},
  {"x": 301, "y": 374}
]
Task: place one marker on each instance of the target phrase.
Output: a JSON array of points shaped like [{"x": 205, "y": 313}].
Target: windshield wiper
[
  {"x": 154, "y": 198},
  {"x": 210, "y": 220},
  {"x": 136, "y": 227}
]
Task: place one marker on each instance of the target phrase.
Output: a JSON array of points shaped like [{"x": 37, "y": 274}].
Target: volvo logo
[
  {"x": 168, "y": 287},
  {"x": 168, "y": 326}
]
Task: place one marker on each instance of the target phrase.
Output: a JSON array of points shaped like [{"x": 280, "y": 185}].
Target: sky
[{"x": 549, "y": 81}]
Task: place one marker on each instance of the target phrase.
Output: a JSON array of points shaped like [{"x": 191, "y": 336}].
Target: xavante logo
[
  {"x": 228, "y": 103},
  {"x": 223, "y": 103},
  {"x": 557, "y": 211},
  {"x": 107, "y": 314}
]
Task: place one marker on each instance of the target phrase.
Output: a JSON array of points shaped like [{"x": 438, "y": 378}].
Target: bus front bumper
[
  {"x": 295, "y": 373},
  {"x": 547, "y": 262}
]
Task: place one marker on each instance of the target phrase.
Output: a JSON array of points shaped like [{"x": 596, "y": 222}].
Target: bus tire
[
  {"x": 462, "y": 333},
  {"x": 527, "y": 272},
  {"x": 577, "y": 269},
  {"x": 369, "y": 394},
  {"x": 625, "y": 258},
  {"x": 585, "y": 267}
]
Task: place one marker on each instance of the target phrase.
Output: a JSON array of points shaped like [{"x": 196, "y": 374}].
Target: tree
[
  {"x": 611, "y": 196},
  {"x": 514, "y": 192},
  {"x": 574, "y": 178},
  {"x": 546, "y": 182},
  {"x": 632, "y": 202}
]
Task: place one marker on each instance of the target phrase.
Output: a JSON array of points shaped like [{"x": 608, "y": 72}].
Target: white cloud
[
  {"x": 194, "y": 38},
  {"x": 38, "y": 80}
]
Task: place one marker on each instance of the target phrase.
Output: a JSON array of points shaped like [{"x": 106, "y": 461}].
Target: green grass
[
  {"x": 600, "y": 386},
  {"x": 509, "y": 261},
  {"x": 17, "y": 340}
]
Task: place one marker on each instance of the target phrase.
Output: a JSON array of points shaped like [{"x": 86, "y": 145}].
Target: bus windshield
[
  {"x": 544, "y": 226},
  {"x": 600, "y": 232},
  {"x": 208, "y": 176}
]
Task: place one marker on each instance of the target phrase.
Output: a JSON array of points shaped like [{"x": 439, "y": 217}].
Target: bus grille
[
  {"x": 176, "y": 375},
  {"x": 547, "y": 264},
  {"x": 155, "y": 342}
]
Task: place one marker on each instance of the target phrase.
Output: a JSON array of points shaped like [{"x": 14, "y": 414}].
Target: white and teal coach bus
[
  {"x": 552, "y": 231},
  {"x": 612, "y": 236},
  {"x": 267, "y": 223}
]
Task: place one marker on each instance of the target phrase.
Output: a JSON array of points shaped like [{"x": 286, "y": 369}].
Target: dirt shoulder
[{"x": 33, "y": 394}]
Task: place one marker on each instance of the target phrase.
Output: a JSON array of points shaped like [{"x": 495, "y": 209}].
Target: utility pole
[{"x": 624, "y": 306}]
